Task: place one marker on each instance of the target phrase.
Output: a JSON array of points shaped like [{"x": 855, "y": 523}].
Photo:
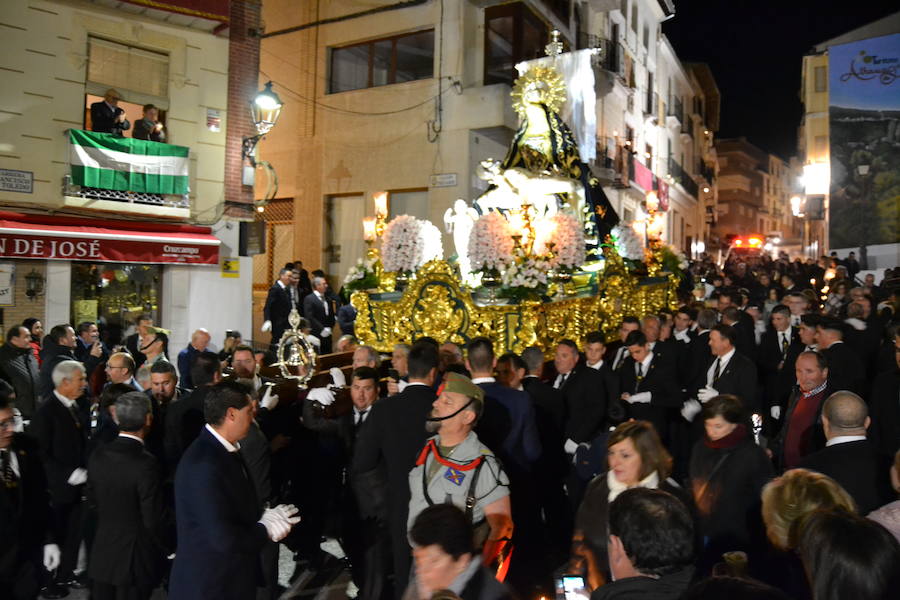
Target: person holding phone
[{"x": 88, "y": 347}]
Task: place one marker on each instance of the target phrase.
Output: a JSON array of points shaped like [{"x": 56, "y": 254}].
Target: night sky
[{"x": 755, "y": 49}]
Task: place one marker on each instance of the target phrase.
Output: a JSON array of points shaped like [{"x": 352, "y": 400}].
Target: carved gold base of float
[{"x": 436, "y": 304}]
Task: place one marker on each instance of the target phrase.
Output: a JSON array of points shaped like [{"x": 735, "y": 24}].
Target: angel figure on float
[{"x": 459, "y": 221}]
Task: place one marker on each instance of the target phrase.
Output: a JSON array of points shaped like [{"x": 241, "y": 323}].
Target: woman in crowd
[
  {"x": 889, "y": 515},
  {"x": 786, "y": 501},
  {"x": 36, "y": 329},
  {"x": 838, "y": 298},
  {"x": 727, "y": 472},
  {"x": 847, "y": 556},
  {"x": 636, "y": 458}
]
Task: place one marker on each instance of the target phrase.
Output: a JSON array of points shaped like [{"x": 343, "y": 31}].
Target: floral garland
[
  {"x": 361, "y": 276},
  {"x": 490, "y": 243},
  {"x": 568, "y": 238},
  {"x": 672, "y": 260},
  {"x": 408, "y": 243},
  {"x": 526, "y": 274},
  {"x": 627, "y": 242}
]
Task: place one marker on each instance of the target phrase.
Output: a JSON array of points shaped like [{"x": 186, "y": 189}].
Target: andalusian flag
[{"x": 102, "y": 160}]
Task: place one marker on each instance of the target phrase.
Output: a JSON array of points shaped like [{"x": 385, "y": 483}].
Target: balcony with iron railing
[
  {"x": 682, "y": 177},
  {"x": 675, "y": 112},
  {"x": 612, "y": 54},
  {"x": 126, "y": 175}
]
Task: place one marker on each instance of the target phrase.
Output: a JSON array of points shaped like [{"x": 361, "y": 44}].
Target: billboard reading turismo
[{"x": 864, "y": 117}]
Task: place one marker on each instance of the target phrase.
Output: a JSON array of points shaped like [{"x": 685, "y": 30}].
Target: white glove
[
  {"x": 51, "y": 556},
  {"x": 314, "y": 341},
  {"x": 775, "y": 411},
  {"x": 267, "y": 326},
  {"x": 288, "y": 512},
  {"x": 323, "y": 396},
  {"x": 78, "y": 476},
  {"x": 640, "y": 398},
  {"x": 706, "y": 394},
  {"x": 269, "y": 399},
  {"x": 325, "y": 332},
  {"x": 337, "y": 376},
  {"x": 570, "y": 447},
  {"x": 690, "y": 410},
  {"x": 276, "y": 525}
]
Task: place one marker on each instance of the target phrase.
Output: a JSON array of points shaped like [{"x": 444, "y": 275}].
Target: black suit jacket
[
  {"x": 63, "y": 444},
  {"x": 124, "y": 489},
  {"x": 277, "y": 309},
  {"x": 314, "y": 310},
  {"x": 885, "y": 411},
  {"x": 521, "y": 446},
  {"x": 24, "y": 511},
  {"x": 777, "y": 369},
  {"x": 550, "y": 418},
  {"x": 738, "y": 378},
  {"x": 585, "y": 397},
  {"x": 858, "y": 468},
  {"x": 103, "y": 119},
  {"x": 219, "y": 538},
  {"x": 662, "y": 383},
  {"x": 845, "y": 370},
  {"x": 699, "y": 355},
  {"x": 184, "y": 422}
]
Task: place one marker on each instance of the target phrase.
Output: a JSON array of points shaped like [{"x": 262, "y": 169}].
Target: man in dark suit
[
  {"x": 744, "y": 337},
  {"x": 107, "y": 117},
  {"x": 320, "y": 312},
  {"x": 185, "y": 418},
  {"x": 61, "y": 427},
  {"x": 24, "y": 512},
  {"x": 221, "y": 529},
  {"x": 584, "y": 396},
  {"x": 846, "y": 371},
  {"x": 279, "y": 303},
  {"x": 848, "y": 457},
  {"x": 363, "y": 532},
  {"x": 133, "y": 341},
  {"x": 59, "y": 345},
  {"x": 88, "y": 347},
  {"x": 128, "y": 555},
  {"x": 594, "y": 351},
  {"x": 616, "y": 352},
  {"x": 391, "y": 441},
  {"x": 778, "y": 351},
  {"x": 698, "y": 352},
  {"x": 649, "y": 386},
  {"x": 885, "y": 431},
  {"x": 729, "y": 371}
]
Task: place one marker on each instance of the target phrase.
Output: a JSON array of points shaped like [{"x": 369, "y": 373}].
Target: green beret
[{"x": 460, "y": 384}]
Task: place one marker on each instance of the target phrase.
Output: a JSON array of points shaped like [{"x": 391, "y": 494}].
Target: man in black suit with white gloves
[{"x": 221, "y": 529}]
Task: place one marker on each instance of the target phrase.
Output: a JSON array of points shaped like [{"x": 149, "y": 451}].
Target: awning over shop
[{"x": 70, "y": 238}]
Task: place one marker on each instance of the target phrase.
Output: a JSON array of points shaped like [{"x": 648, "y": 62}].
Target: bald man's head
[{"x": 845, "y": 413}]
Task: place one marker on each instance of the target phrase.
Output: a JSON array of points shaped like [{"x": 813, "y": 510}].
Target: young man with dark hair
[
  {"x": 649, "y": 386},
  {"x": 778, "y": 351},
  {"x": 184, "y": 419},
  {"x": 651, "y": 546},
  {"x": 221, "y": 529},
  {"x": 19, "y": 368}
]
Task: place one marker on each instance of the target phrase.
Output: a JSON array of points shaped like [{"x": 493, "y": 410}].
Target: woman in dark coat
[
  {"x": 727, "y": 473},
  {"x": 636, "y": 458}
]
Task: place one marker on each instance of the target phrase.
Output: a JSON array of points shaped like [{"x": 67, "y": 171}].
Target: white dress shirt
[
  {"x": 228, "y": 445},
  {"x": 843, "y": 439},
  {"x": 723, "y": 362}
]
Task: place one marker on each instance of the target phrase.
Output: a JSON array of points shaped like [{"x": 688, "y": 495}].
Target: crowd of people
[{"x": 747, "y": 443}]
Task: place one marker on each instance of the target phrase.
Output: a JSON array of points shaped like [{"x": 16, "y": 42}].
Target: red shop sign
[{"x": 20, "y": 239}]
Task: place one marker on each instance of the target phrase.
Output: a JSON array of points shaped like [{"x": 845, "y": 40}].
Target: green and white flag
[{"x": 102, "y": 160}]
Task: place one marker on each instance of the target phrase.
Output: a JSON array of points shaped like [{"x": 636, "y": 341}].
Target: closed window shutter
[{"x": 128, "y": 68}]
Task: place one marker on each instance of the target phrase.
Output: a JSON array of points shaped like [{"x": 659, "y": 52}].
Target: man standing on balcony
[
  {"x": 107, "y": 117},
  {"x": 149, "y": 127}
]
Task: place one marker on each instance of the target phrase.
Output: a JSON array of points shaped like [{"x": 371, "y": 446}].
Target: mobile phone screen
[{"x": 571, "y": 587}]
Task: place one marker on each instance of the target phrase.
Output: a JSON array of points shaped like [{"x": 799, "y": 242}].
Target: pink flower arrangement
[
  {"x": 490, "y": 243},
  {"x": 568, "y": 238},
  {"x": 409, "y": 243}
]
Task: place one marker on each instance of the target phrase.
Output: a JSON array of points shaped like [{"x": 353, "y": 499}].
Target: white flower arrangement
[
  {"x": 490, "y": 243},
  {"x": 363, "y": 269},
  {"x": 628, "y": 243},
  {"x": 568, "y": 237},
  {"x": 408, "y": 243},
  {"x": 526, "y": 271}
]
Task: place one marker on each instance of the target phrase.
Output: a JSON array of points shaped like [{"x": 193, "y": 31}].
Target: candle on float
[
  {"x": 380, "y": 199},
  {"x": 369, "y": 229}
]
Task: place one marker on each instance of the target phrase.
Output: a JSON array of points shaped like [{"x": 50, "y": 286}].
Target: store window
[
  {"x": 512, "y": 34},
  {"x": 396, "y": 59},
  {"x": 114, "y": 294}
]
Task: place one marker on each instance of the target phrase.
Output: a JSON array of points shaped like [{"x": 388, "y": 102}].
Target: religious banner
[{"x": 864, "y": 118}]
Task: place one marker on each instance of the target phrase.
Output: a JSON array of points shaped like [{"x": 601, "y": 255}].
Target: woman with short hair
[{"x": 637, "y": 458}]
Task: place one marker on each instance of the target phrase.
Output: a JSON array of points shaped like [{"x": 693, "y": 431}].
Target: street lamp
[{"x": 264, "y": 111}]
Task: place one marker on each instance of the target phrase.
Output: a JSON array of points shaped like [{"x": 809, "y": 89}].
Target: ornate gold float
[{"x": 436, "y": 304}]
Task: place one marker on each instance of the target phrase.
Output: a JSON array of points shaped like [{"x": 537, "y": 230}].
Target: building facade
[
  {"x": 102, "y": 253},
  {"x": 408, "y": 98}
]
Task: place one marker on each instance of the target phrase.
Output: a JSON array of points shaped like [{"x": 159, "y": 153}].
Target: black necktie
[
  {"x": 562, "y": 380},
  {"x": 640, "y": 376},
  {"x": 716, "y": 371},
  {"x": 73, "y": 410},
  {"x": 784, "y": 344},
  {"x": 6, "y": 470},
  {"x": 361, "y": 417}
]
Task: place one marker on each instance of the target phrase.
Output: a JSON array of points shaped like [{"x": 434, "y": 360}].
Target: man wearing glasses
[{"x": 120, "y": 369}]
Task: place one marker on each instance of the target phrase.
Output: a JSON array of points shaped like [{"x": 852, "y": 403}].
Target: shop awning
[{"x": 103, "y": 240}]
